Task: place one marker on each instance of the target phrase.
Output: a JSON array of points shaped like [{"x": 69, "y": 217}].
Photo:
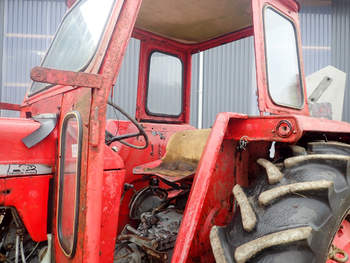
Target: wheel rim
[{"x": 341, "y": 244}]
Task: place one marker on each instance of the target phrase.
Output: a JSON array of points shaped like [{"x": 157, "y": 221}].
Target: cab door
[
  {"x": 79, "y": 183},
  {"x": 279, "y": 64}
]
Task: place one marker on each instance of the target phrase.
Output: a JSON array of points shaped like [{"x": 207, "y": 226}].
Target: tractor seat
[{"x": 183, "y": 152}]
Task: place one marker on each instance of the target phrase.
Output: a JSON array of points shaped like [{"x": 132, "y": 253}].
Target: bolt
[{"x": 115, "y": 149}]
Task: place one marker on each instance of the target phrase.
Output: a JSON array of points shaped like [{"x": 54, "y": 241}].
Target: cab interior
[{"x": 170, "y": 33}]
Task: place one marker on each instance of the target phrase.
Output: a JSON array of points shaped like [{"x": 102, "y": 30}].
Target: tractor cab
[{"x": 150, "y": 187}]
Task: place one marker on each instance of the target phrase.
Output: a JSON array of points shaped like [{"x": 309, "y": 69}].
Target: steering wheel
[{"x": 111, "y": 138}]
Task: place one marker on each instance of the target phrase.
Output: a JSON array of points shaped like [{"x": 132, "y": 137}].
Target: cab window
[
  {"x": 282, "y": 60},
  {"x": 165, "y": 85}
]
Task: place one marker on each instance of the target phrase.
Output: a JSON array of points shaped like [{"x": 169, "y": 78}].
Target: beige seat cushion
[{"x": 183, "y": 152}]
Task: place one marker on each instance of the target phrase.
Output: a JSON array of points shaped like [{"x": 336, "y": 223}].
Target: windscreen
[
  {"x": 283, "y": 71},
  {"x": 77, "y": 38}
]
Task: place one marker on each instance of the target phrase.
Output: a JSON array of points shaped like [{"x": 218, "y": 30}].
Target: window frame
[
  {"x": 302, "y": 88},
  {"x": 68, "y": 116},
  {"x": 150, "y": 113}
]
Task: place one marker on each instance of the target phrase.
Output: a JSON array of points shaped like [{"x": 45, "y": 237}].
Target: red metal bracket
[
  {"x": 10, "y": 106},
  {"x": 66, "y": 78}
]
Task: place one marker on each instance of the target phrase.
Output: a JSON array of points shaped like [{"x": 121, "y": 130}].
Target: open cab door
[
  {"x": 75, "y": 77},
  {"x": 279, "y": 64}
]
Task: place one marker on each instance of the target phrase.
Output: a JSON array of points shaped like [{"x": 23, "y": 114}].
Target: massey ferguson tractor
[{"x": 76, "y": 187}]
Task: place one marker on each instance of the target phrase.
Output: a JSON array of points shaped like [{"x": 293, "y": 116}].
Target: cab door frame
[
  {"x": 89, "y": 100},
  {"x": 289, "y": 9}
]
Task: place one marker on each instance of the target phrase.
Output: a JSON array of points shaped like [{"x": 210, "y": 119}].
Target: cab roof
[{"x": 194, "y": 21}]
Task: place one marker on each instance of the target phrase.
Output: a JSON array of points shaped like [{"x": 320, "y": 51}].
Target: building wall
[
  {"x": 28, "y": 28},
  {"x": 316, "y": 34},
  {"x": 125, "y": 91},
  {"x": 2, "y": 15},
  {"x": 228, "y": 80},
  {"x": 341, "y": 45},
  {"x": 228, "y": 72}
]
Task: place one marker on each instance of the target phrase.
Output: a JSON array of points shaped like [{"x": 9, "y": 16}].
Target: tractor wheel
[{"x": 296, "y": 213}]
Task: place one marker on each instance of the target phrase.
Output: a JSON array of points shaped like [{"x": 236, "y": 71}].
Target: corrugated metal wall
[
  {"x": 228, "y": 79},
  {"x": 228, "y": 73},
  {"x": 316, "y": 35},
  {"x": 341, "y": 45},
  {"x": 2, "y": 15},
  {"x": 125, "y": 90},
  {"x": 28, "y": 28}
]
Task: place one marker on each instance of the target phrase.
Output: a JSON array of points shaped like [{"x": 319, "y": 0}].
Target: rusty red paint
[
  {"x": 262, "y": 128},
  {"x": 113, "y": 182},
  {"x": 104, "y": 171},
  {"x": 341, "y": 239},
  {"x": 13, "y": 131},
  {"x": 10, "y": 106},
  {"x": 234, "y": 36},
  {"x": 69, "y": 3},
  {"x": 310, "y": 124},
  {"x": 151, "y": 43},
  {"x": 29, "y": 196},
  {"x": 289, "y": 8},
  {"x": 93, "y": 186},
  {"x": 147, "y": 47},
  {"x": 66, "y": 78},
  {"x": 201, "y": 186},
  {"x": 284, "y": 129},
  {"x": 78, "y": 100}
]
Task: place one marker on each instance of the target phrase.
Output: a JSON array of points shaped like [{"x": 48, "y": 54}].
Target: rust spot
[
  {"x": 284, "y": 129},
  {"x": 6, "y": 191}
]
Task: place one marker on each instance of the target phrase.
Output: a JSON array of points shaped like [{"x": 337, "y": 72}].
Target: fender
[{"x": 25, "y": 173}]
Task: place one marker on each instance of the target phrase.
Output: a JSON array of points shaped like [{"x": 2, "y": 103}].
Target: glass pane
[
  {"x": 77, "y": 38},
  {"x": 68, "y": 184},
  {"x": 283, "y": 70},
  {"x": 164, "y": 95}
]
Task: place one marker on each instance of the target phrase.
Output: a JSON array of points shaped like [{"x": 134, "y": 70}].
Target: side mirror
[{"x": 66, "y": 78}]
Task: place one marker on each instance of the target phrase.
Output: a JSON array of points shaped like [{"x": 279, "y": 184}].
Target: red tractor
[{"x": 75, "y": 187}]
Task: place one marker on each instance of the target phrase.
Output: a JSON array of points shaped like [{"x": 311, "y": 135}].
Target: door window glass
[
  {"x": 283, "y": 71},
  {"x": 69, "y": 178}
]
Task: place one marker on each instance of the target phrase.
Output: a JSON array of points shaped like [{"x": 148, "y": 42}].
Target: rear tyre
[{"x": 297, "y": 217}]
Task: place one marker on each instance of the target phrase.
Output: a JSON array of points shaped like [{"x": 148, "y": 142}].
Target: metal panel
[
  {"x": 125, "y": 90},
  {"x": 228, "y": 84},
  {"x": 341, "y": 46},
  {"x": 2, "y": 20},
  {"x": 316, "y": 35},
  {"x": 28, "y": 30}
]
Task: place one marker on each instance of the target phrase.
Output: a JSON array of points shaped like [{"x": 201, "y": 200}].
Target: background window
[{"x": 165, "y": 84}]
